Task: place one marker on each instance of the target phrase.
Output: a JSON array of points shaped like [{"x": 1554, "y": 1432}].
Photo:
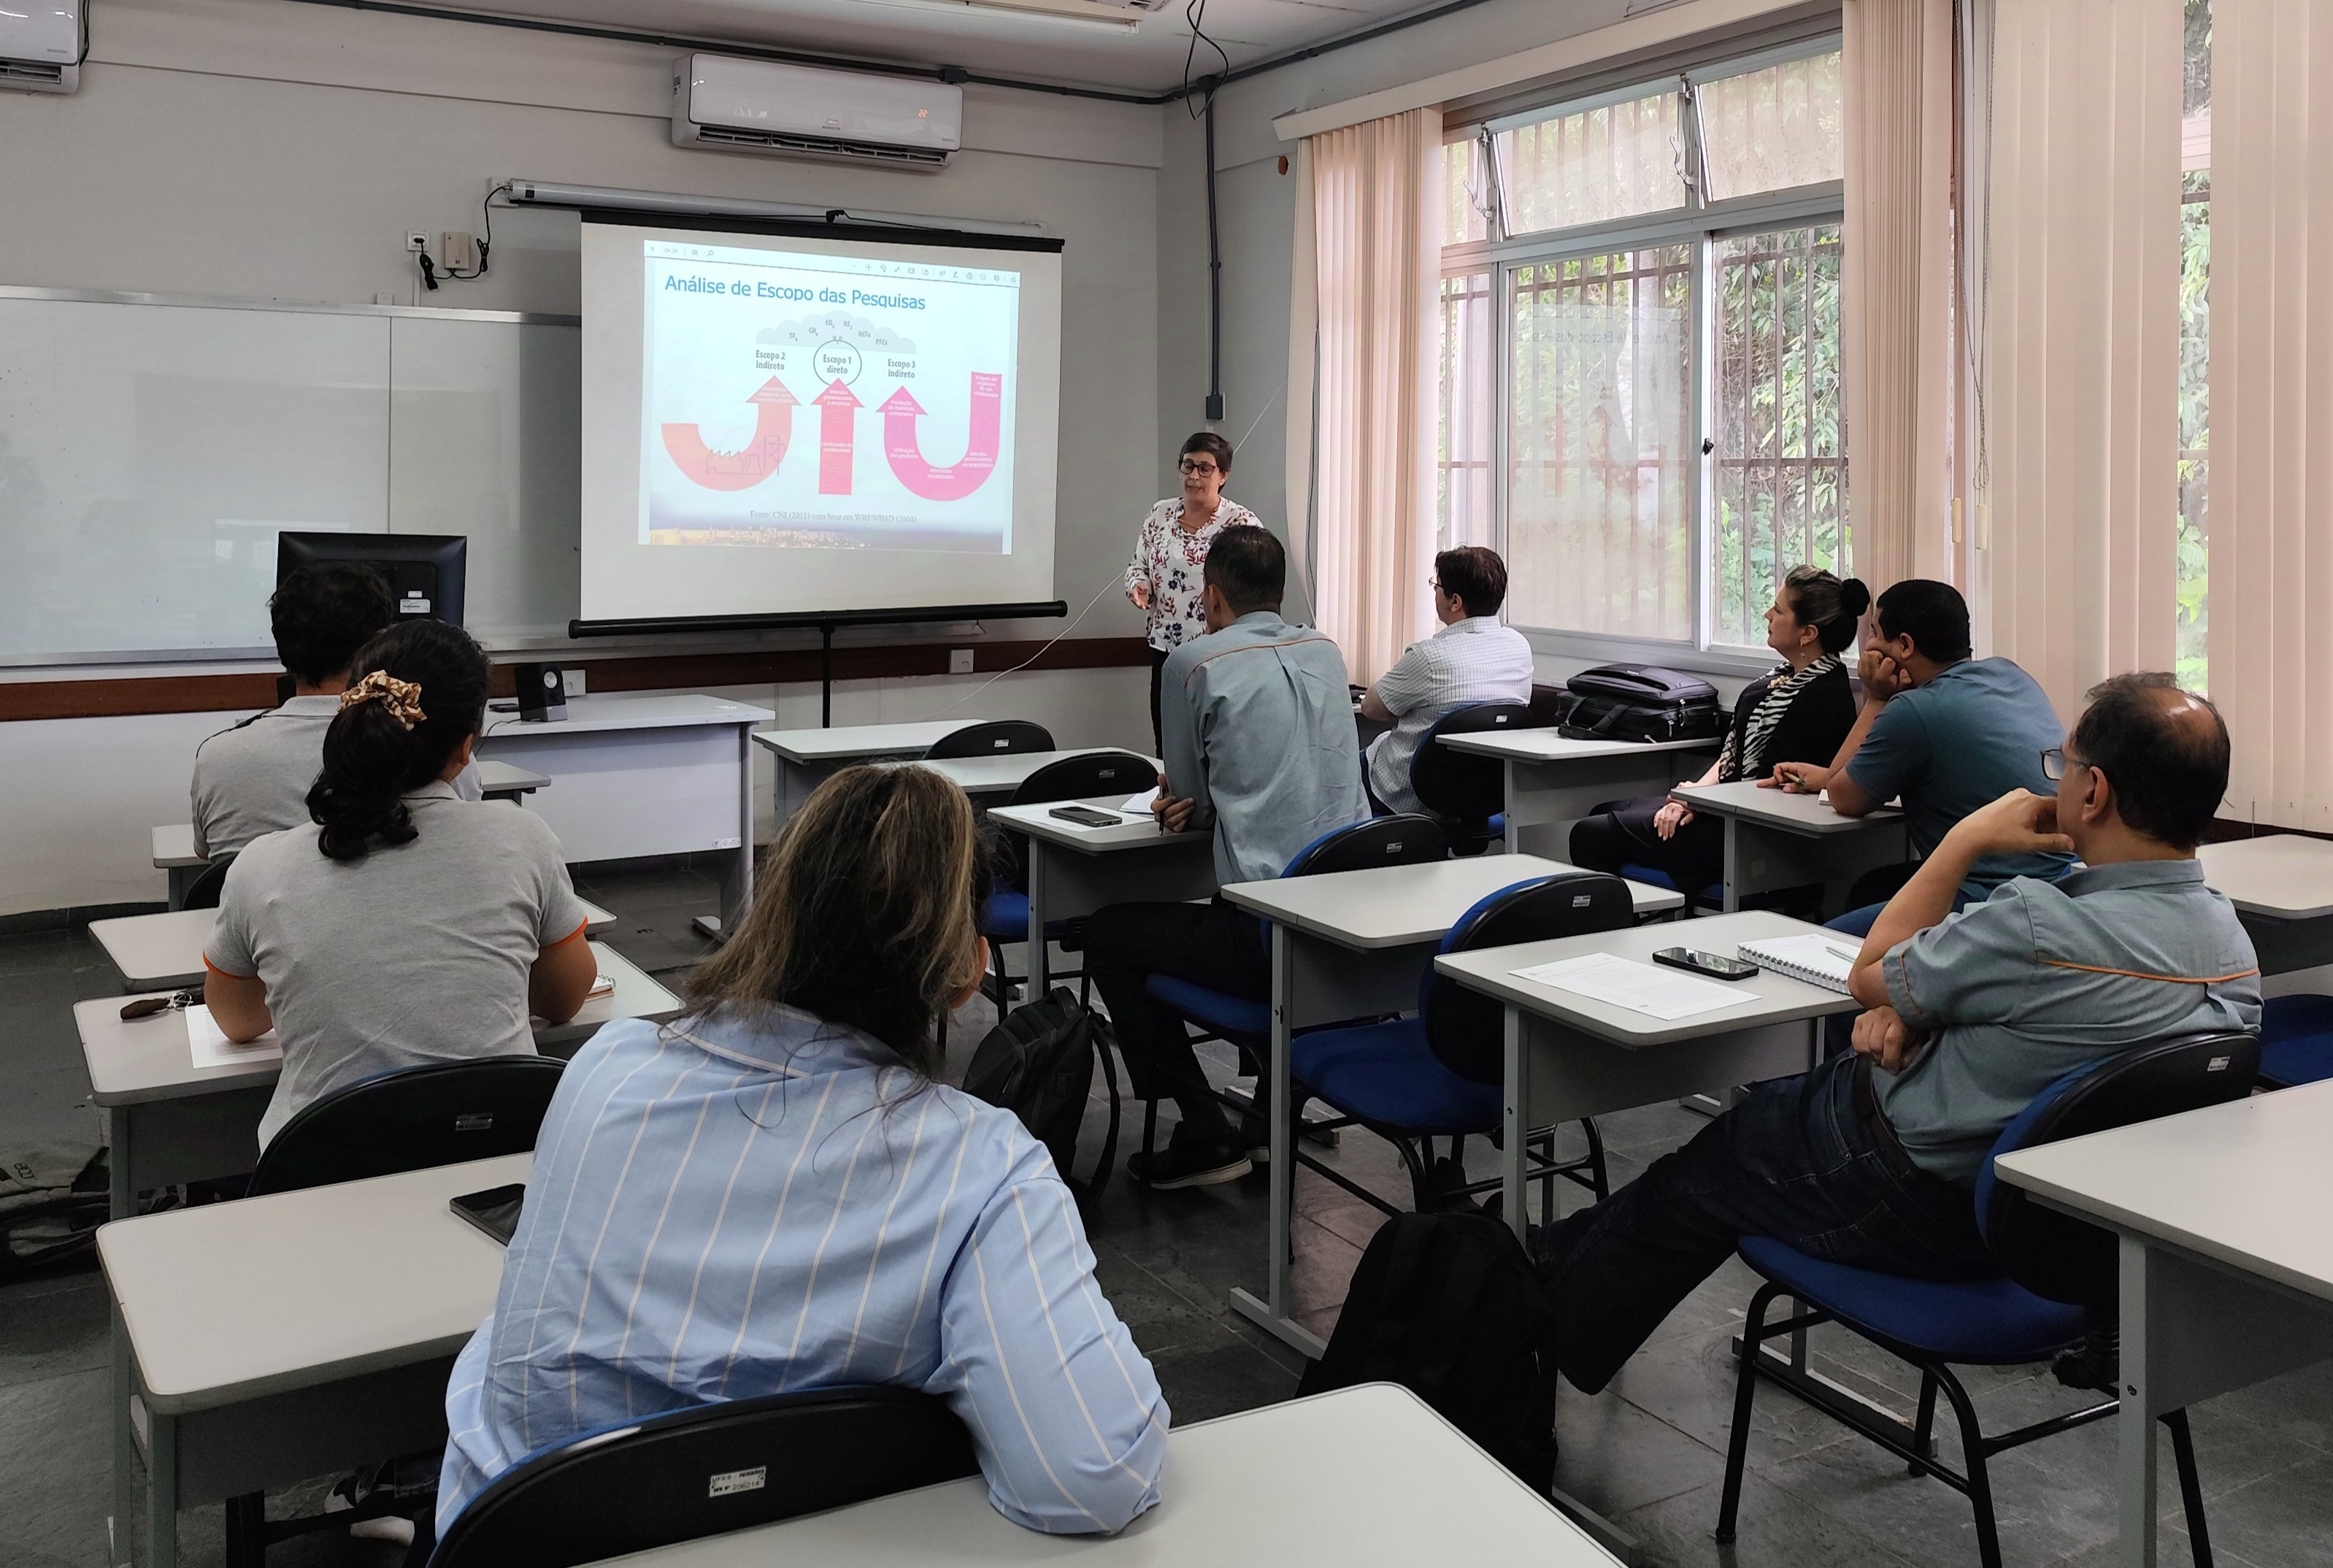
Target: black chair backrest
[
  {"x": 707, "y": 1471},
  {"x": 1085, "y": 775},
  {"x": 1458, "y": 784},
  {"x": 1466, "y": 1029},
  {"x": 998, "y": 738},
  {"x": 203, "y": 892},
  {"x": 2053, "y": 1254},
  {"x": 1406, "y": 839},
  {"x": 409, "y": 1119}
]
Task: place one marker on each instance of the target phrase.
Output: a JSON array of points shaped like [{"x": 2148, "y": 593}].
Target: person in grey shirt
[
  {"x": 1872, "y": 1158},
  {"x": 403, "y": 925},
  {"x": 254, "y": 778},
  {"x": 1261, "y": 751}
]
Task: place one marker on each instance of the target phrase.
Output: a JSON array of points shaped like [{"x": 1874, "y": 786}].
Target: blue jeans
[{"x": 1808, "y": 1160}]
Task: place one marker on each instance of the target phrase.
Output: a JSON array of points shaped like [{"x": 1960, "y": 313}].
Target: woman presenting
[{"x": 1171, "y": 554}]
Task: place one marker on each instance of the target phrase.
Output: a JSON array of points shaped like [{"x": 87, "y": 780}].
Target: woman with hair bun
[
  {"x": 404, "y": 925},
  {"x": 1803, "y": 709}
]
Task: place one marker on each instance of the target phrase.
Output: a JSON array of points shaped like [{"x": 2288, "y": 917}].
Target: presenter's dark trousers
[
  {"x": 1212, "y": 945},
  {"x": 1158, "y": 669},
  {"x": 1808, "y": 1160},
  {"x": 1619, "y": 834}
]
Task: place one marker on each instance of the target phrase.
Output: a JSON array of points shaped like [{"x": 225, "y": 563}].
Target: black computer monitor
[{"x": 424, "y": 570}]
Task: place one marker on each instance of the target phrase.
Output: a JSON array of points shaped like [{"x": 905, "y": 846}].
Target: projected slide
[{"x": 793, "y": 399}]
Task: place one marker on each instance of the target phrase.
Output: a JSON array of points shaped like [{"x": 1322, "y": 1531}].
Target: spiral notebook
[{"x": 1824, "y": 961}]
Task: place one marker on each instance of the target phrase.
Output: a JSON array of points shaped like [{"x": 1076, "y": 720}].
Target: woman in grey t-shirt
[{"x": 404, "y": 925}]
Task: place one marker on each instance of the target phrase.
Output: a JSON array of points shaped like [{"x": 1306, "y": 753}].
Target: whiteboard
[{"x": 151, "y": 449}]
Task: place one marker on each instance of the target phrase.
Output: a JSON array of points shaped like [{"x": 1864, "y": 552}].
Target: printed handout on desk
[
  {"x": 1640, "y": 987},
  {"x": 1138, "y": 805},
  {"x": 210, "y": 1048}
]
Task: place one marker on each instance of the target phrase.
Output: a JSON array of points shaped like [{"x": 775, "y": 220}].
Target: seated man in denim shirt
[{"x": 1871, "y": 1158}]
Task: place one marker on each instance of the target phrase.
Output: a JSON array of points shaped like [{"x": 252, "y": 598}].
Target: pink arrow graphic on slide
[
  {"x": 837, "y": 435},
  {"x": 900, "y": 411},
  {"x": 773, "y": 427}
]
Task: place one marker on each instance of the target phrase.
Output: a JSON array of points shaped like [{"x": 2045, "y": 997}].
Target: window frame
[{"x": 1700, "y": 224}]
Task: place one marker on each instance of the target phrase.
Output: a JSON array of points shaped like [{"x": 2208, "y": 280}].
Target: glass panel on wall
[
  {"x": 1600, "y": 454},
  {"x": 1771, "y": 129},
  {"x": 1778, "y": 466},
  {"x": 1465, "y": 447},
  {"x": 1594, "y": 165},
  {"x": 1463, "y": 193},
  {"x": 2195, "y": 355}
]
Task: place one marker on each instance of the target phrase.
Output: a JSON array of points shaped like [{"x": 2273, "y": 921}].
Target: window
[
  {"x": 1639, "y": 350},
  {"x": 2195, "y": 355}
]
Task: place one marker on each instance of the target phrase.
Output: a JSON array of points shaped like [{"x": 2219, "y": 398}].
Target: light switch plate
[
  {"x": 959, "y": 661},
  {"x": 571, "y": 681}
]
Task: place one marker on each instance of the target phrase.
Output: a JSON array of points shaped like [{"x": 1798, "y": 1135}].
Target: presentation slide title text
[{"x": 758, "y": 290}]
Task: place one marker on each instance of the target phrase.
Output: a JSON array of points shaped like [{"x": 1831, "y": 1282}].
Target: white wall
[{"x": 251, "y": 149}]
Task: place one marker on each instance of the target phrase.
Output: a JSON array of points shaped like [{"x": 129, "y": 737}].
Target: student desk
[
  {"x": 2227, "y": 1257},
  {"x": 806, "y": 757},
  {"x": 980, "y": 776},
  {"x": 2282, "y": 888},
  {"x": 154, "y": 952},
  {"x": 170, "y": 1123},
  {"x": 643, "y": 775},
  {"x": 1074, "y": 870},
  {"x": 271, "y": 1339},
  {"x": 1552, "y": 782},
  {"x": 1365, "y": 1476},
  {"x": 1350, "y": 945},
  {"x": 1776, "y": 840}
]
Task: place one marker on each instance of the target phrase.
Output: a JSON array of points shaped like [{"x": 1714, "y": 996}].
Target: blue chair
[
  {"x": 643, "y": 1485},
  {"x": 2057, "y": 1275},
  {"x": 2296, "y": 1040},
  {"x": 1004, "y": 915},
  {"x": 1437, "y": 1073},
  {"x": 1712, "y": 895},
  {"x": 998, "y": 737},
  {"x": 1466, "y": 792}
]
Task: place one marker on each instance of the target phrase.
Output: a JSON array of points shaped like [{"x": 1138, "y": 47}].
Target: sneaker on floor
[
  {"x": 1188, "y": 1163},
  {"x": 388, "y": 1527},
  {"x": 1255, "y": 1137}
]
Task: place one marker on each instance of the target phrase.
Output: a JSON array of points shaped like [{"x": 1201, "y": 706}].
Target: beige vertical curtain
[
  {"x": 2082, "y": 410},
  {"x": 2271, "y": 387},
  {"x": 1896, "y": 68},
  {"x": 1375, "y": 264}
]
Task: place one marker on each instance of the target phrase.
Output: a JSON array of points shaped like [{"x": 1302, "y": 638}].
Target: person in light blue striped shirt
[{"x": 771, "y": 1194}]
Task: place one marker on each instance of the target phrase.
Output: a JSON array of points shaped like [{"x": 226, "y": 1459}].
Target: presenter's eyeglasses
[{"x": 1202, "y": 469}]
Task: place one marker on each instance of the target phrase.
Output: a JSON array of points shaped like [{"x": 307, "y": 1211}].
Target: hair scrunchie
[{"x": 402, "y": 698}]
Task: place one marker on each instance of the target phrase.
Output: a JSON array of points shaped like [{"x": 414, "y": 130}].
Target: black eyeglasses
[
  {"x": 1190, "y": 468},
  {"x": 2055, "y": 761}
]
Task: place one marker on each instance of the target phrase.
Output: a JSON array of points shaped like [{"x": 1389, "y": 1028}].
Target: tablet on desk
[{"x": 495, "y": 1211}]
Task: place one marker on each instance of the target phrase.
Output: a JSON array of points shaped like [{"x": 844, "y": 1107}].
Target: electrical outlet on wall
[
  {"x": 959, "y": 661},
  {"x": 571, "y": 681},
  {"x": 416, "y": 242}
]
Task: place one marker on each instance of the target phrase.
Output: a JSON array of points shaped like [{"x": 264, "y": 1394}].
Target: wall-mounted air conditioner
[
  {"x": 40, "y": 47},
  {"x": 726, "y": 105}
]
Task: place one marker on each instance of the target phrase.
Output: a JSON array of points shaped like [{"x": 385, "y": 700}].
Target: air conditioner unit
[
  {"x": 726, "y": 105},
  {"x": 40, "y": 47}
]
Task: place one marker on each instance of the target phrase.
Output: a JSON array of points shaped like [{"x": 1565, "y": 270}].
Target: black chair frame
[
  {"x": 1076, "y": 777},
  {"x": 997, "y": 738},
  {"x": 203, "y": 892}
]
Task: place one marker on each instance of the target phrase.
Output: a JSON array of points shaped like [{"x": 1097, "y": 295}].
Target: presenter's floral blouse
[{"x": 1172, "y": 562}]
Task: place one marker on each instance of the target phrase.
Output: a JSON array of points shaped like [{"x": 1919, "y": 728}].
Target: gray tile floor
[{"x": 1648, "y": 1452}]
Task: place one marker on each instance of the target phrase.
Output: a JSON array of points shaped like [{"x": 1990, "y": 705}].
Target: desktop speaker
[{"x": 542, "y": 692}]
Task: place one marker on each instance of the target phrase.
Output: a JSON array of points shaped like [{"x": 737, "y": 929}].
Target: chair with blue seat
[
  {"x": 1004, "y": 916},
  {"x": 998, "y": 737},
  {"x": 1711, "y": 896},
  {"x": 2058, "y": 1279},
  {"x": 1466, "y": 792},
  {"x": 2296, "y": 1040},
  {"x": 1438, "y": 1073}
]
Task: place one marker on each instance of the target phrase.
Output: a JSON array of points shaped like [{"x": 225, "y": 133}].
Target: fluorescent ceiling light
[{"x": 1094, "y": 14}]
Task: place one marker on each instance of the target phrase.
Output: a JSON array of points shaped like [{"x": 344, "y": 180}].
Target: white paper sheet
[
  {"x": 211, "y": 1048},
  {"x": 1646, "y": 989},
  {"x": 1138, "y": 805}
]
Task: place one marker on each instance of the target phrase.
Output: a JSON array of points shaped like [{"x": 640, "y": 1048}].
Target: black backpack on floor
[
  {"x": 1447, "y": 1305},
  {"x": 1641, "y": 702},
  {"x": 1038, "y": 1063}
]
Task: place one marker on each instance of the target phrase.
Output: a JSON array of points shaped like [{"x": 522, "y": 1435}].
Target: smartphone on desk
[
  {"x": 1086, "y": 816},
  {"x": 495, "y": 1211},
  {"x": 1714, "y": 965}
]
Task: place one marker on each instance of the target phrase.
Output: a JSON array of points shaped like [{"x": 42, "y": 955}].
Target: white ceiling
[{"x": 988, "y": 42}]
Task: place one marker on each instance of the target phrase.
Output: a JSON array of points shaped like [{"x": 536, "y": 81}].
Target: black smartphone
[
  {"x": 493, "y": 1211},
  {"x": 1086, "y": 816},
  {"x": 1709, "y": 964}
]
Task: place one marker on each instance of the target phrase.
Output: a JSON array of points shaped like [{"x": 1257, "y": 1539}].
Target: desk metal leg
[
  {"x": 1512, "y": 1128},
  {"x": 1271, "y": 1314},
  {"x": 122, "y": 1526},
  {"x": 1038, "y": 970},
  {"x": 161, "y": 1490}
]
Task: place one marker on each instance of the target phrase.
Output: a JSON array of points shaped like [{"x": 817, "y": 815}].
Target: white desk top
[
  {"x": 1002, "y": 774},
  {"x": 1132, "y": 832},
  {"x": 1548, "y": 746},
  {"x": 232, "y": 1300},
  {"x": 133, "y": 1060},
  {"x": 855, "y": 742},
  {"x": 1767, "y": 997},
  {"x": 1775, "y": 808},
  {"x": 503, "y": 776},
  {"x": 1365, "y": 1476},
  {"x": 1402, "y": 906},
  {"x": 174, "y": 845},
  {"x": 623, "y": 710},
  {"x": 2242, "y": 1184},
  {"x": 155, "y": 951},
  {"x": 2282, "y": 877}
]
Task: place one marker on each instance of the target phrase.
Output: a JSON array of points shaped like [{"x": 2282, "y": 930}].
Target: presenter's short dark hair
[
  {"x": 1475, "y": 574},
  {"x": 1248, "y": 568},
  {"x": 1213, "y": 445},
  {"x": 1932, "y": 614},
  {"x": 321, "y": 613},
  {"x": 2164, "y": 750}
]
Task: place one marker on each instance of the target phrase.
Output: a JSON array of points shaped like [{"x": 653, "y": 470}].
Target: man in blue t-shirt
[{"x": 1948, "y": 734}]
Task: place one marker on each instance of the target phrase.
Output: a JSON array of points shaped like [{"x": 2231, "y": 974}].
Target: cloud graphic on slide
[{"x": 858, "y": 331}]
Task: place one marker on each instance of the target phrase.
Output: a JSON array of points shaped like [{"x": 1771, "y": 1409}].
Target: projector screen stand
[{"x": 826, "y": 675}]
